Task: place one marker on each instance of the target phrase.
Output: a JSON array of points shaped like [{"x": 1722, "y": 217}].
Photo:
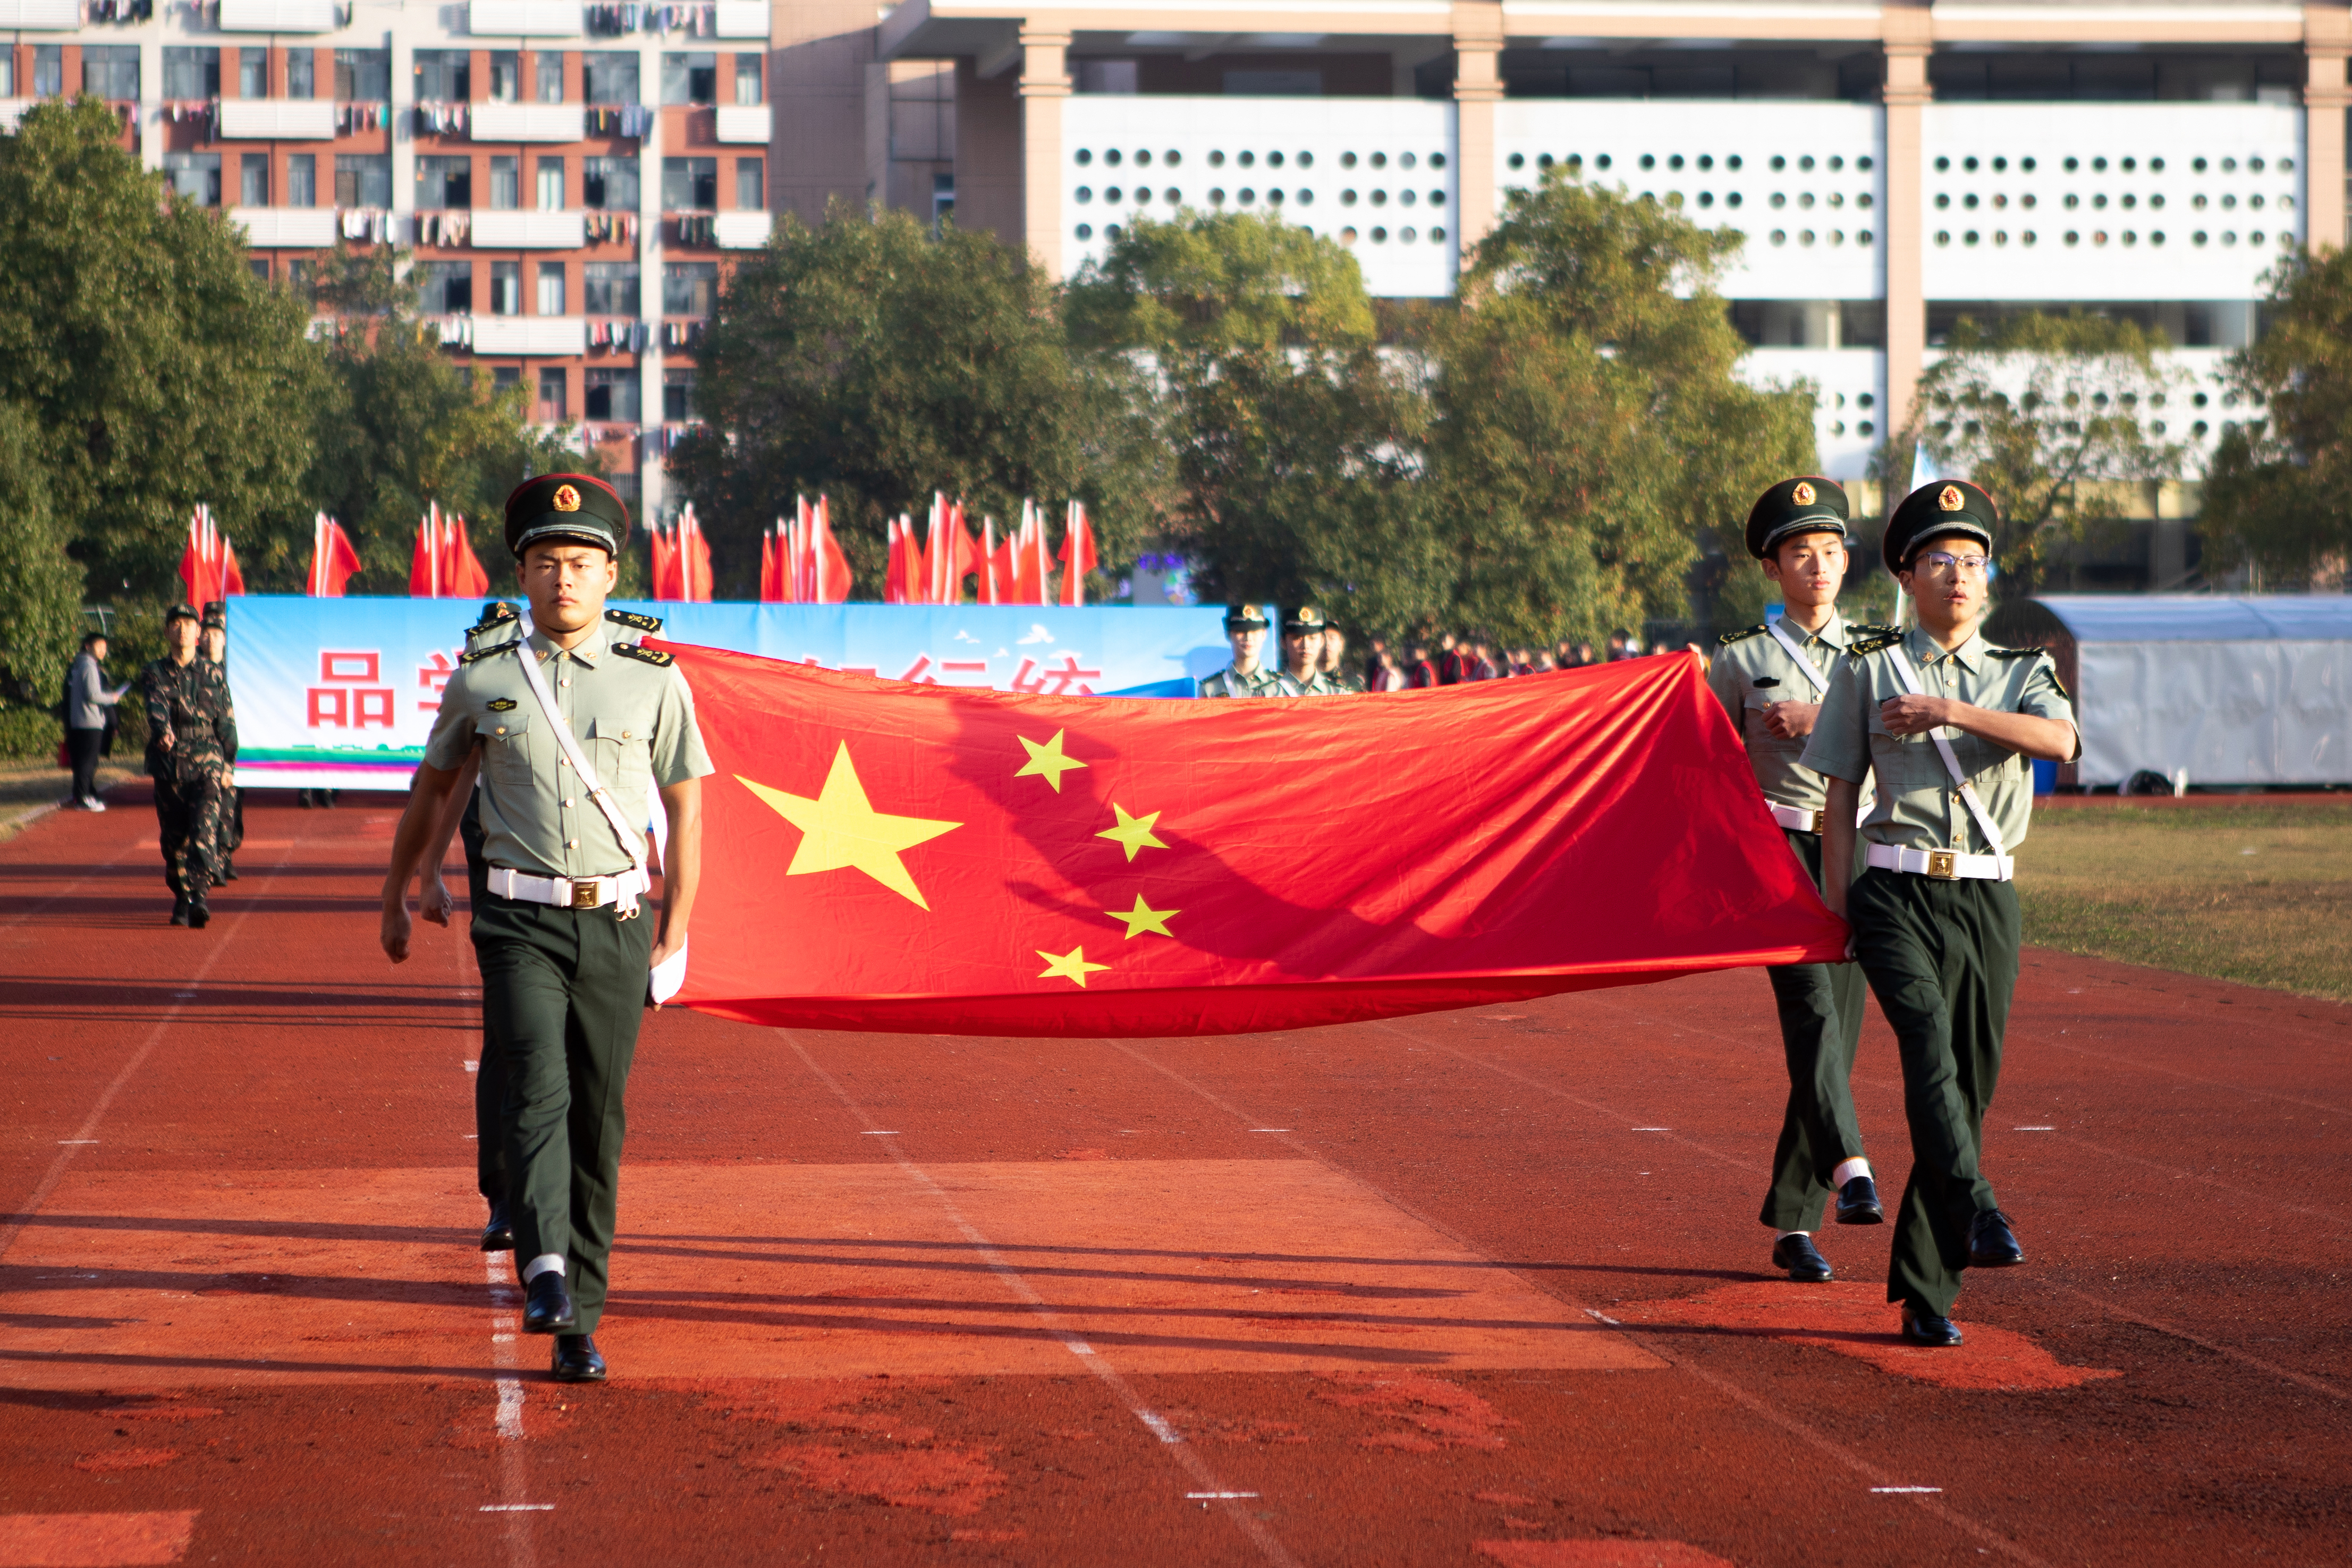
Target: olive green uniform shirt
[
  {"x": 191, "y": 703},
  {"x": 1751, "y": 671},
  {"x": 1265, "y": 681},
  {"x": 631, "y": 712},
  {"x": 1919, "y": 806}
]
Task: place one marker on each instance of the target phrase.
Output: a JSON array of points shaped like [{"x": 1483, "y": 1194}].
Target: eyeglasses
[{"x": 1945, "y": 561}]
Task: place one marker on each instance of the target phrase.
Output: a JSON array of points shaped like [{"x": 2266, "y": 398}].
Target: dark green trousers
[
  {"x": 188, "y": 828},
  {"x": 563, "y": 994},
  {"x": 1942, "y": 959},
  {"x": 490, "y": 1071},
  {"x": 1820, "y": 1026}
]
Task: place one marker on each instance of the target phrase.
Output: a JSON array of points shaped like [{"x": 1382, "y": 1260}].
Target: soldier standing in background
[
  {"x": 1335, "y": 661},
  {"x": 232, "y": 832},
  {"x": 192, "y": 732},
  {"x": 1302, "y": 652},
  {"x": 1246, "y": 626}
]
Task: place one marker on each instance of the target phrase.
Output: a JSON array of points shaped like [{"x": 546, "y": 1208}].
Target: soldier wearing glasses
[{"x": 1946, "y": 726}]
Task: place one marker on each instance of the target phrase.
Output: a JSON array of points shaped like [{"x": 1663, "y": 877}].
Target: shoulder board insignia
[
  {"x": 503, "y": 612},
  {"x": 485, "y": 653},
  {"x": 2016, "y": 652},
  {"x": 1729, "y": 638},
  {"x": 649, "y": 623},
  {"x": 639, "y": 652},
  {"x": 1873, "y": 644},
  {"x": 503, "y": 705},
  {"x": 1870, "y": 628}
]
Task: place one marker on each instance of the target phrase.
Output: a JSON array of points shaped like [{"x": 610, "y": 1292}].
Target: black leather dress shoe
[
  {"x": 1796, "y": 1254},
  {"x": 1926, "y": 1329},
  {"x": 498, "y": 1236},
  {"x": 1858, "y": 1203},
  {"x": 576, "y": 1359},
  {"x": 200, "y": 913},
  {"x": 548, "y": 1309},
  {"x": 1991, "y": 1243},
  {"x": 180, "y": 909}
]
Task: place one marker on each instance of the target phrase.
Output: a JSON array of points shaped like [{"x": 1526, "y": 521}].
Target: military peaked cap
[
  {"x": 1303, "y": 619},
  {"x": 566, "y": 506},
  {"x": 1244, "y": 617},
  {"x": 1946, "y": 507},
  {"x": 1809, "y": 505}
]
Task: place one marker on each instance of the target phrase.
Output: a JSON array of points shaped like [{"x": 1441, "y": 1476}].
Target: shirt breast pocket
[
  {"x": 506, "y": 748},
  {"x": 622, "y": 759},
  {"x": 1904, "y": 762}
]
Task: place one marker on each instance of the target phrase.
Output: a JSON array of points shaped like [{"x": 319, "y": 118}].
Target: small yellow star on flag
[
  {"x": 840, "y": 827},
  {"x": 1047, "y": 761},
  {"x": 1143, "y": 918},
  {"x": 1133, "y": 833},
  {"x": 1069, "y": 966}
]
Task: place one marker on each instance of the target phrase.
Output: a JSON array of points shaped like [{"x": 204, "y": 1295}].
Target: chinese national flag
[{"x": 966, "y": 861}]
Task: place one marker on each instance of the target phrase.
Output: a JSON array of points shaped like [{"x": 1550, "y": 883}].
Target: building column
[
  {"x": 1907, "y": 94},
  {"x": 2327, "y": 38},
  {"x": 1044, "y": 83},
  {"x": 1477, "y": 87}
]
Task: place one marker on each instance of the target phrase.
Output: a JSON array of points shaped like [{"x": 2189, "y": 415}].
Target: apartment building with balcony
[{"x": 570, "y": 177}]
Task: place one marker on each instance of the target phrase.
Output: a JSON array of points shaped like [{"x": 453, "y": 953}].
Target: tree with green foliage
[
  {"x": 2278, "y": 493},
  {"x": 2061, "y": 418},
  {"x": 1590, "y": 428},
  {"x": 874, "y": 363},
  {"x": 40, "y": 584},
  {"x": 155, "y": 369},
  {"x": 1295, "y": 441}
]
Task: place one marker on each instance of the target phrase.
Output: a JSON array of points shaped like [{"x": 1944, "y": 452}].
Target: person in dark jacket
[{"x": 88, "y": 699}]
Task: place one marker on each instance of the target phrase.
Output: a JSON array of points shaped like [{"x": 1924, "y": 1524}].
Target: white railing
[
  {"x": 1850, "y": 406},
  {"x": 277, "y": 120},
  {"x": 529, "y": 230},
  {"x": 743, "y": 122},
  {"x": 530, "y": 335},
  {"x": 2108, "y": 201},
  {"x": 280, "y": 15},
  {"x": 39, "y": 15},
  {"x": 744, "y": 231},
  {"x": 529, "y": 121},
  {"x": 1378, "y": 174},
  {"x": 525, "y": 18},
  {"x": 743, "y": 18},
  {"x": 288, "y": 228}
]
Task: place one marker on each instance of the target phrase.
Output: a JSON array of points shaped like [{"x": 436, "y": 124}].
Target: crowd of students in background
[{"x": 1448, "y": 660}]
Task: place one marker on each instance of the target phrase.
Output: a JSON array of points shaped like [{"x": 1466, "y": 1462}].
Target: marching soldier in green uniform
[
  {"x": 191, "y": 736},
  {"x": 1302, "y": 652},
  {"x": 1944, "y": 724},
  {"x": 232, "y": 835},
  {"x": 1246, "y": 626},
  {"x": 575, "y": 727},
  {"x": 1770, "y": 679}
]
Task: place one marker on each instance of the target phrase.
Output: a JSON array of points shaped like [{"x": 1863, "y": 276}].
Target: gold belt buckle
[
  {"x": 584, "y": 894},
  {"x": 1820, "y": 819},
  {"x": 1940, "y": 865}
]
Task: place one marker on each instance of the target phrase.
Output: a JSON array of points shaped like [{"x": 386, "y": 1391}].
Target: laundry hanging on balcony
[
  {"x": 442, "y": 119},
  {"x": 445, "y": 228}
]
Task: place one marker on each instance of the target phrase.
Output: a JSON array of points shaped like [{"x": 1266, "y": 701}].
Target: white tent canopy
[{"x": 2249, "y": 690}]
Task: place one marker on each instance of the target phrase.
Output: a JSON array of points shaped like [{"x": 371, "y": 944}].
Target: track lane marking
[{"x": 1185, "y": 1453}]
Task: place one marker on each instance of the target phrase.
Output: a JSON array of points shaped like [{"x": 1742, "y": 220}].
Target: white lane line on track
[
  {"x": 1185, "y": 1453},
  {"x": 1991, "y": 1541},
  {"x": 84, "y": 1134},
  {"x": 1908, "y": 1489}
]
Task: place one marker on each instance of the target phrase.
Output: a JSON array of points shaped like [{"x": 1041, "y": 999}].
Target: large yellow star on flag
[
  {"x": 1069, "y": 966},
  {"x": 1143, "y": 918},
  {"x": 1133, "y": 833},
  {"x": 840, "y": 827},
  {"x": 1047, "y": 761}
]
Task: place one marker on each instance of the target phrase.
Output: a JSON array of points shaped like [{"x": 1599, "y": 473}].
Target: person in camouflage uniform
[
  {"x": 232, "y": 835},
  {"x": 191, "y": 734}
]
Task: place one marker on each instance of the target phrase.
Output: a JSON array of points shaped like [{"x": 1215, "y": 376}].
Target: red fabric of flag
[
  {"x": 665, "y": 584},
  {"x": 232, "y": 578},
  {"x": 1077, "y": 555},
  {"x": 956, "y": 861},
  {"x": 427, "y": 559},
  {"x": 332, "y": 559},
  {"x": 833, "y": 578},
  {"x": 693, "y": 559},
  {"x": 462, "y": 576}
]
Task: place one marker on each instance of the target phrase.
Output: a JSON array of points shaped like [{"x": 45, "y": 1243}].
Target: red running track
[{"x": 1471, "y": 1289}]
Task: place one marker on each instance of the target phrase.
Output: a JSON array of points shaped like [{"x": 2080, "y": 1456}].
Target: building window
[
  {"x": 362, "y": 75},
  {"x": 196, "y": 176},
  {"x": 187, "y": 73},
  {"x": 1105, "y": 76},
  {"x": 302, "y": 179},
  {"x": 111, "y": 70},
  {"x": 363, "y": 180},
  {"x": 751, "y": 184},
  {"x": 253, "y": 181},
  {"x": 505, "y": 379},
  {"x": 506, "y": 183},
  {"x": 48, "y": 71},
  {"x": 1273, "y": 84},
  {"x": 301, "y": 73},
  {"x": 253, "y": 73},
  {"x": 690, "y": 184},
  {"x": 609, "y": 185},
  {"x": 445, "y": 287},
  {"x": 678, "y": 396},
  {"x": 747, "y": 83},
  {"x": 551, "y": 288},
  {"x": 612, "y": 76},
  {"x": 689, "y": 287},
  {"x": 443, "y": 183},
  {"x": 553, "y": 388},
  {"x": 299, "y": 275},
  {"x": 7, "y": 72},
  {"x": 611, "y": 288},
  {"x": 551, "y": 184},
  {"x": 690, "y": 78},
  {"x": 612, "y": 396},
  {"x": 506, "y": 288},
  {"x": 506, "y": 76},
  {"x": 444, "y": 75},
  {"x": 259, "y": 266},
  {"x": 550, "y": 77}
]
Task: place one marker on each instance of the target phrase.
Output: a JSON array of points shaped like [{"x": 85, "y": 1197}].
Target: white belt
[
  {"x": 1944, "y": 865},
  {"x": 564, "y": 892},
  {"x": 1797, "y": 822}
]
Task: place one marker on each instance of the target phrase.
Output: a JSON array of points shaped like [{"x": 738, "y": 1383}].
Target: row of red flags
[
  {"x": 801, "y": 562},
  {"x": 208, "y": 564},
  {"x": 930, "y": 567},
  {"x": 681, "y": 560},
  {"x": 442, "y": 565}
]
